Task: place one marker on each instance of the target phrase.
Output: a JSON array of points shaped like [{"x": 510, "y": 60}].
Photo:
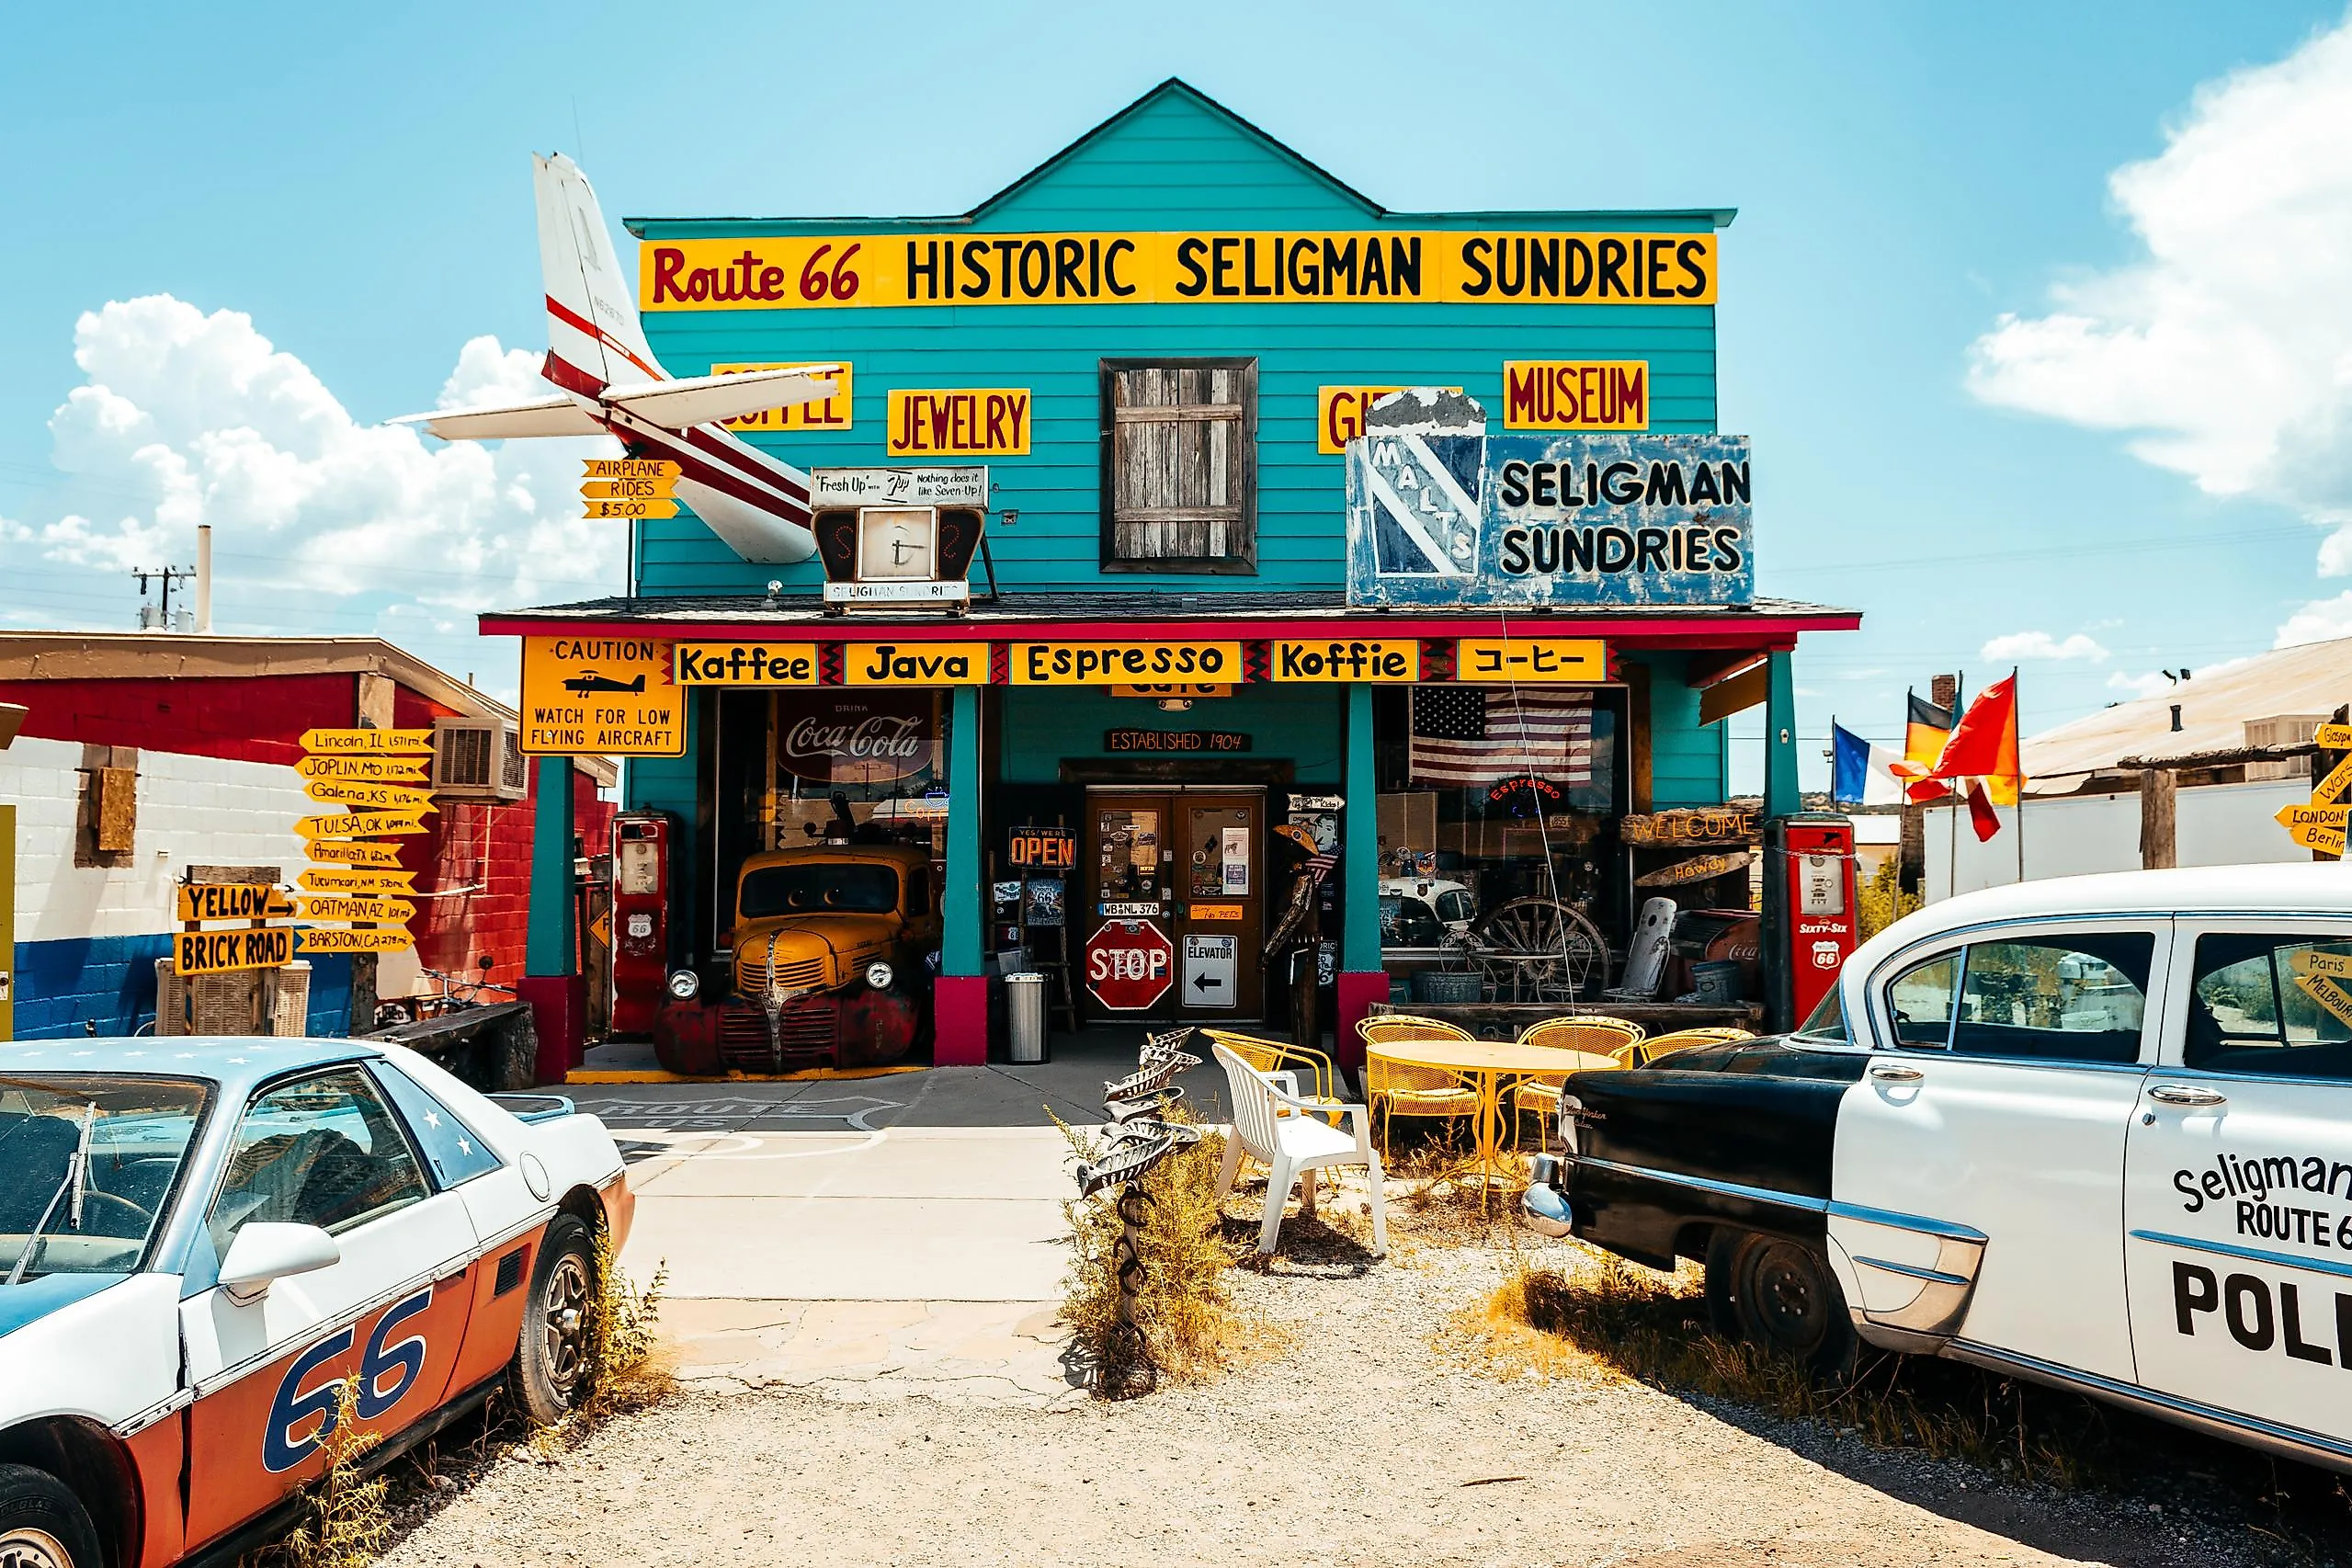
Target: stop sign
[{"x": 1130, "y": 964}]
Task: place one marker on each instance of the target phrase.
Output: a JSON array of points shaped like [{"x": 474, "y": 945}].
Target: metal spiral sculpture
[{"x": 1137, "y": 1140}]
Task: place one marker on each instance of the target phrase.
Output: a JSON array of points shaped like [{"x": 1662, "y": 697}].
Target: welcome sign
[{"x": 1445, "y": 514}]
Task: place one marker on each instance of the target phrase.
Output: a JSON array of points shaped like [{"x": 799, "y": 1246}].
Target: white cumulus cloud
[
  {"x": 2017, "y": 645},
  {"x": 320, "y": 523},
  {"x": 2226, "y": 352}
]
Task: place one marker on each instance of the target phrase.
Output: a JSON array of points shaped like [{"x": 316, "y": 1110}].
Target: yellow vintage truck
[{"x": 833, "y": 950}]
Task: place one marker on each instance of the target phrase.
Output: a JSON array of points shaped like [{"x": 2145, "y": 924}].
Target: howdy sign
[
  {"x": 1043, "y": 849},
  {"x": 1130, "y": 965},
  {"x": 1198, "y": 266}
]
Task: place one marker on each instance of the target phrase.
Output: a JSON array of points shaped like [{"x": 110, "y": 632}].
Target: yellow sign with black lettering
[
  {"x": 379, "y": 769},
  {"x": 339, "y": 939},
  {"x": 359, "y": 824},
  {"x": 1165, "y": 690},
  {"x": 602, "y": 696},
  {"x": 1547, "y": 660},
  {"x": 1103, "y": 663},
  {"x": 745, "y": 663},
  {"x": 359, "y": 792},
  {"x": 362, "y": 743},
  {"x": 1339, "y": 413},
  {"x": 630, "y": 468},
  {"x": 628, "y": 489},
  {"x": 1515, "y": 266},
  {"x": 364, "y": 911},
  {"x": 233, "y": 901},
  {"x": 1335, "y": 660},
  {"x": 1575, "y": 394},
  {"x": 962, "y": 422},
  {"x": 352, "y": 852},
  {"x": 219, "y": 952},
  {"x": 915, "y": 664},
  {"x": 352, "y": 882},
  {"x": 833, "y": 413}
]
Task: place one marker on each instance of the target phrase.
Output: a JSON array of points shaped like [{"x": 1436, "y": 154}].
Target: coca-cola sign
[{"x": 856, "y": 740}]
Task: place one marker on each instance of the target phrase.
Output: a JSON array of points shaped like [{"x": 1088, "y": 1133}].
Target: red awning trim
[{"x": 1775, "y": 633}]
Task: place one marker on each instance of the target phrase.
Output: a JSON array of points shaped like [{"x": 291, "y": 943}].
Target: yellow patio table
[{"x": 1485, "y": 1063}]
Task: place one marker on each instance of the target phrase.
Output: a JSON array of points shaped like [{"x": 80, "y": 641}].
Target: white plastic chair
[{"x": 1293, "y": 1143}]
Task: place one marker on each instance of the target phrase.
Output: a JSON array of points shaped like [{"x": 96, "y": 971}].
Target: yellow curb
[{"x": 655, "y": 1076}]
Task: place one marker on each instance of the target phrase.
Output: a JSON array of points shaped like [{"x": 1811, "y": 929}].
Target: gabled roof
[
  {"x": 2314, "y": 679},
  {"x": 1177, "y": 88}
]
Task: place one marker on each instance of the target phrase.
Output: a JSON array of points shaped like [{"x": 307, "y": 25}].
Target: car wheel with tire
[
  {"x": 550, "y": 1373},
  {"x": 43, "y": 1524},
  {"x": 1785, "y": 1299}
]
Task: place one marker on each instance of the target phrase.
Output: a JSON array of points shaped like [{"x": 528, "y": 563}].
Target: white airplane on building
[{"x": 612, "y": 384}]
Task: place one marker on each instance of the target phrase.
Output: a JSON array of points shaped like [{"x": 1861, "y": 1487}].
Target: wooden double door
[{"x": 1173, "y": 875}]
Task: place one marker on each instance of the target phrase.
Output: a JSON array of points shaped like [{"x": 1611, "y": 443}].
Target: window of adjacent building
[
  {"x": 1179, "y": 465},
  {"x": 2275, "y": 1006}
]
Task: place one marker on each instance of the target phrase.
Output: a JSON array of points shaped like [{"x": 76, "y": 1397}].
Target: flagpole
[{"x": 2018, "y": 779}]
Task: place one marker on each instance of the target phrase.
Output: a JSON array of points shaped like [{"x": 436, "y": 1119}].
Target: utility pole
[{"x": 151, "y": 619}]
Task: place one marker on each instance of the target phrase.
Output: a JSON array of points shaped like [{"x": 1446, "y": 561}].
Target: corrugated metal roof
[{"x": 2215, "y": 707}]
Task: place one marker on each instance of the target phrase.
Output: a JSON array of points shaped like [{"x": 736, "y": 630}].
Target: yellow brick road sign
[
  {"x": 233, "y": 901},
  {"x": 358, "y": 825},
  {"x": 327, "y": 939},
  {"x": 364, "y": 911},
  {"x": 353, "y": 852},
  {"x": 378, "y": 769},
  {"x": 360, "y": 792},
  {"x": 218, "y": 953},
  {"x": 355, "y": 882},
  {"x": 360, "y": 743}
]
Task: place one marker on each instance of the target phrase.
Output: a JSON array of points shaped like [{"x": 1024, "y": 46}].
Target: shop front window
[{"x": 878, "y": 757}]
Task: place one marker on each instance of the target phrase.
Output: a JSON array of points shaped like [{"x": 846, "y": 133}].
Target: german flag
[{"x": 1924, "y": 730}]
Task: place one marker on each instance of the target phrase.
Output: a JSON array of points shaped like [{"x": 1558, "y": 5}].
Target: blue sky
[{"x": 1906, "y": 175}]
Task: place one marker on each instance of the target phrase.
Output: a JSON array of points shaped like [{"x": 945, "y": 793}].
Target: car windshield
[
  {"x": 140, "y": 1129},
  {"x": 835, "y": 888},
  {"x": 1453, "y": 905}
]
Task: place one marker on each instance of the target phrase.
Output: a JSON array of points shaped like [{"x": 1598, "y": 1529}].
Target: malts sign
[{"x": 1453, "y": 267}]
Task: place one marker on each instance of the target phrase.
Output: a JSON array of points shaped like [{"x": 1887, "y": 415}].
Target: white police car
[
  {"x": 201, "y": 1240},
  {"x": 2095, "y": 1130}
]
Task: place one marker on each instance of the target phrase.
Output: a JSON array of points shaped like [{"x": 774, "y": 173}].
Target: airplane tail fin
[{"x": 593, "y": 336}]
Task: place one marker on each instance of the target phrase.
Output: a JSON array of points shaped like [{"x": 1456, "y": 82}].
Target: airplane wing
[
  {"x": 550, "y": 416},
  {"x": 706, "y": 400}
]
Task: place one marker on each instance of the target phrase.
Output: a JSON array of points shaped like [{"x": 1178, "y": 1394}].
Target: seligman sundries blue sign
[{"x": 1440, "y": 512}]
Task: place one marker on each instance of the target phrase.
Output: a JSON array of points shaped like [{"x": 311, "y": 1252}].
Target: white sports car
[{"x": 201, "y": 1240}]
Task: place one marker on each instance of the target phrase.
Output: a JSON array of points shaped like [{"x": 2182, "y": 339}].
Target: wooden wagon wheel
[{"x": 1540, "y": 949}]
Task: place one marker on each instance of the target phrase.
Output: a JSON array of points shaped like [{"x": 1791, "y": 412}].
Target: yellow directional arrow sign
[
  {"x": 377, "y": 769},
  {"x": 366, "y": 911},
  {"x": 232, "y": 900},
  {"x": 2334, "y": 737},
  {"x": 350, "y": 743},
  {"x": 327, "y": 939},
  {"x": 628, "y": 489},
  {"x": 631, "y": 468},
  {"x": 353, "y": 852},
  {"x": 2315, "y": 827},
  {"x": 632, "y": 508},
  {"x": 359, "y": 792},
  {"x": 358, "y": 825},
  {"x": 218, "y": 953},
  {"x": 2332, "y": 787},
  {"x": 356, "y": 884}
]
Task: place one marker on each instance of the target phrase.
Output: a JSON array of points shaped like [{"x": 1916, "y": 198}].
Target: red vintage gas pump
[
  {"x": 1810, "y": 916},
  {"x": 643, "y": 861}
]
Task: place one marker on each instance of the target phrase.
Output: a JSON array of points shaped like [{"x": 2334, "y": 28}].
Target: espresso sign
[{"x": 856, "y": 740}]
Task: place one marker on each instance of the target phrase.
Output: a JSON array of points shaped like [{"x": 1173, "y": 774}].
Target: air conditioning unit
[{"x": 477, "y": 760}]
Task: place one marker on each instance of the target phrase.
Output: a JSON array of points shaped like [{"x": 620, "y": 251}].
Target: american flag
[{"x": 1475, "y": 734}]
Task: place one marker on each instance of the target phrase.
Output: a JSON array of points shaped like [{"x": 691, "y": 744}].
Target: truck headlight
[
  {"x": 878, "y": 975},
  {"x": 684, "y": 984}
]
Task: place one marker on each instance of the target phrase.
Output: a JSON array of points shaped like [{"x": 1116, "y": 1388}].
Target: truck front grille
[{"x": 797, "y": 974}]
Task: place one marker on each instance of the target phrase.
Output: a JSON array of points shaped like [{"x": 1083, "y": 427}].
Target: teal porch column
[
  {"x": 960, "y": 999},
  {"x": 1361, "y": 980},
  {"x": 551, "y": 983},
  {"x": 1782, "y": 794}
]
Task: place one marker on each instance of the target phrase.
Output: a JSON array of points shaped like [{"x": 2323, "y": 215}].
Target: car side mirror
[{"x": 263, "y": 1252}]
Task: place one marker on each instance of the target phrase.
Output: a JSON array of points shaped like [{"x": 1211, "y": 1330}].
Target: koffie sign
[
  {"x": 1447, "y": 517},
  {"x": 1207, "y": 267}
]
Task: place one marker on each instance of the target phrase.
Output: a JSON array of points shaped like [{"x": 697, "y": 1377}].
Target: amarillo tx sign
[{"x": 1439, "y": 512}]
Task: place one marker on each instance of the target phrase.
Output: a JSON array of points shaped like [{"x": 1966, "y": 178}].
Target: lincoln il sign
[{"x": 1441, "y": 511}]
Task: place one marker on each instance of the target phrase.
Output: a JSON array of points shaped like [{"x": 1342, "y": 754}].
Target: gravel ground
[{"x": 1360, "y": 1442}]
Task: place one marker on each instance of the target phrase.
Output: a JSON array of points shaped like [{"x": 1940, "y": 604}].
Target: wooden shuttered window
[{"x": 1179, "y": 465}]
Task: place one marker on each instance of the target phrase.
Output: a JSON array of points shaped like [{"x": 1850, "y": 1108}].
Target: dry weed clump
[
  {"x": 1184, "y": 1310},
  {"x": 625, "y": 1371},
  {"x": 1602, "y": 1316},
  {"x": 342, "y": 1519}
]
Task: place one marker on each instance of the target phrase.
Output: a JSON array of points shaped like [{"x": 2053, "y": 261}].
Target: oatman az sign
[{"x": 1440, "y": 512}]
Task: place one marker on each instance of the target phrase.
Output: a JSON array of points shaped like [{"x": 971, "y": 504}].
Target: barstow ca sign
[
  {"x": 1406, "y": 267},
  {"x": 1441, "y": 513}
]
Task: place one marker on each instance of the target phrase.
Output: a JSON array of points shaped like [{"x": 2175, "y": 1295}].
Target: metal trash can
[{"x": 1025, "y": 1015}]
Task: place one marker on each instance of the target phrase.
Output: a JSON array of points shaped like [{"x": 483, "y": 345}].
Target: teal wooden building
[{"x": 1158, "y": 342}]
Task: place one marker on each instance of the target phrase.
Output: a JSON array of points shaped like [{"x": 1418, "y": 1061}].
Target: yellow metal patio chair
[
  {"x": 1319, "y": 1075},
  {"x": 1642, "y": 1053},
  {"x": 1393, "y": 1086},
  {"x": 1588, "y": 1034}
]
